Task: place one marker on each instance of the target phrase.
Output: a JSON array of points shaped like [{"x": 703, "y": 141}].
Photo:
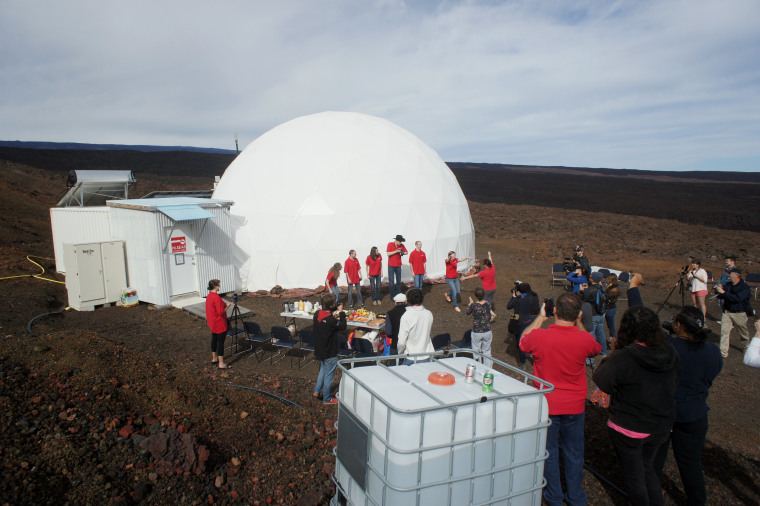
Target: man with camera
[
  {"x": 581, "y": 261},
  {"x": 559, "y": 353},
  {"x": 736, "y": 307},
  {"x": 597, "y": 299},
  {"x": 526, "y": 307},
  {"x": 395, "y": 251}
]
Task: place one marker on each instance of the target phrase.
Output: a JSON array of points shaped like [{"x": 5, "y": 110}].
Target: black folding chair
[
  {"x": 465, "y": 342},
  {"x": 307, "y": 338},
  {"x": 285, "y": 342},
  {"x": 343, "y": 349},
  {"x": 559, "y": 274},
  {"x": 441, "y": 341},
  {"x": 257, "y": 339}
]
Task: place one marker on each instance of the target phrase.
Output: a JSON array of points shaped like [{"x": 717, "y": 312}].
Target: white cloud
[{"x": 647, "y": 85}]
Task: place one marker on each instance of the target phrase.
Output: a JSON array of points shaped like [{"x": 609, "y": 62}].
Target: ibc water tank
[{"x": 404, "y": 440}]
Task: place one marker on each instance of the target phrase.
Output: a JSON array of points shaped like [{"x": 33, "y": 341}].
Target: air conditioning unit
[{"x": 95, "y": 273}]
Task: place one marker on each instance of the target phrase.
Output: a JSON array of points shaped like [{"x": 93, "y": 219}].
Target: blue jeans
[
  {"x": 336, "y": 292},
  {"x": 609, "y": 316},
  {"x": 568, "y": 428},
  {"x": 358, "y": 289},
  {"x": 325, "y": 378},
  {"x": 394, "y": 280},
  {"x": 374, "y": 286},
  {"x": 418, "y": 280},
  {"x": 454, "y": 289},
  {"x": 598, "y": 332},
  {"x": 408, "y": 361}
]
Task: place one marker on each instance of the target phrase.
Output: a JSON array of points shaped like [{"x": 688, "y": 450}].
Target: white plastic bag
[{"x": 752, "y": 355}]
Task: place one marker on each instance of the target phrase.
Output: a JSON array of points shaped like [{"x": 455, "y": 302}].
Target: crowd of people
[{"x": 656, "y": 383}]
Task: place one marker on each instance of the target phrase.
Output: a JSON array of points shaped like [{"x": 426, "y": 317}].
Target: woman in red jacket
[{"x": 216, "y": 317}]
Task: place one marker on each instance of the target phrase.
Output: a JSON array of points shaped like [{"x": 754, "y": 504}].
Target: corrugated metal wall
[
  {"x": 78, "y": 225},
  {"x": 214, "y": 253}
]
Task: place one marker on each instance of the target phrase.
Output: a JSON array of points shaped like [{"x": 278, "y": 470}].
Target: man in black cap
[
  {"x": 582, "y": 261},
  {"x": 735, "y": 296},
  {"x": 395, "y": 251}
]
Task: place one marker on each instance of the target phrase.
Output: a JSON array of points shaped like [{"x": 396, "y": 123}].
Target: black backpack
[{"x": 601, "y": 301}]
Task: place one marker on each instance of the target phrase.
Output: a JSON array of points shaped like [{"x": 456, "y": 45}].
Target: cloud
[{"x": 645, "y": 85}]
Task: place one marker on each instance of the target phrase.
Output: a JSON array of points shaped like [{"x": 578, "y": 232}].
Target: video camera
[{"x": 569, "y": 265}]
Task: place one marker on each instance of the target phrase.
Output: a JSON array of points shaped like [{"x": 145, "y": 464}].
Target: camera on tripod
[{"x": 569, "y": 265}]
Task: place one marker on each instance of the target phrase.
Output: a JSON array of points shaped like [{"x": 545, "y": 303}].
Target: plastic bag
[{"x": 752, "y": 355}]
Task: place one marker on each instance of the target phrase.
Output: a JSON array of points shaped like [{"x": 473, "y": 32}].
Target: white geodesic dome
[{"x": 309, "y": 190}]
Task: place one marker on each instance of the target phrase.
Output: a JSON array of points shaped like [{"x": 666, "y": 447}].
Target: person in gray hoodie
[{"x": 641, "y": 376}]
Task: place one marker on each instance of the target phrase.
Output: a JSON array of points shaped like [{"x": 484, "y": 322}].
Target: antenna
[{"x": 237, "y": 149}]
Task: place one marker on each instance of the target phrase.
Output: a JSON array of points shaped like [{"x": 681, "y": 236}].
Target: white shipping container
[{"x": 403, "y": 440}]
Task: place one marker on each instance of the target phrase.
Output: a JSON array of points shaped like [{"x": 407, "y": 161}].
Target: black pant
[
  {"x": 636, "y": 460},
  {"x": 217, "y": 343},
  {"x": 688, "y": 440}
]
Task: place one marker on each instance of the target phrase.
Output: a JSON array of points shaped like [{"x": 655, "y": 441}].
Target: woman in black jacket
[
  {"x": 641, "y": 376},
  {"x": 526, "y": 307}
]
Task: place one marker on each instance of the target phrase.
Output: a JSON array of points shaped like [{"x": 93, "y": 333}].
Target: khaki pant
[{"x": 727, "y": 322}]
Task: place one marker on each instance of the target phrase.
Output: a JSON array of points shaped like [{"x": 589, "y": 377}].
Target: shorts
[{"x": 700, "y": 293}]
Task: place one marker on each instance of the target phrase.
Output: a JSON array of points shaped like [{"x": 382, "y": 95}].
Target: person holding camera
[
  {"x": 327, "y": 322},
  {"x": 697, "y": 278},
  {"x": 559, "y": 353},
  {"x": 701, "y": 363},
  {"x": 487, "y": 274},
  {"x": 736, "y": 308},
  {"x": 526, "y": 307},
  {"x": 578, "y": 279},
  {"x": 395, "y": 251},
  {"x": 581, "y": 259},
  {"x": 216, "y": 318}
]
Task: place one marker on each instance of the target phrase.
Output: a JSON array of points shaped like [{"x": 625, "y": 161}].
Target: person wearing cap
[
  {"x": 393, "y": 320},
  {"x": 418, "y": 261},
  {"x": 597, "y": 318},
  {"x": 414, "y": 329},
  {"x": 395, "y": 251},
  {"x": 582, "y": 260},
  {"x": 735, "y": 296}
]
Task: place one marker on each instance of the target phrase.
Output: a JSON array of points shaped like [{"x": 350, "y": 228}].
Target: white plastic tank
[{"x": 404, "y": 440}]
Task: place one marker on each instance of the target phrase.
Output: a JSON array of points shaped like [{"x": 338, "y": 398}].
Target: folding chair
[
  {"x": 558, "y": 274},
  {"x": 604, "y": 272},
  {"x": 441, "y": 341},
  {"x": 465, "y": 342},
  {"x": 363, "y": 347},
  {"x": 307, "y": 338},
  {"x": 257, "y": 339},
  {"x": 343, "y": 350},
  {"x": 753, "y": 280},
  {"x": 710, "y": 280},
  {"x": 283, "y": 340},
  {"x": 624, "y": 277}
]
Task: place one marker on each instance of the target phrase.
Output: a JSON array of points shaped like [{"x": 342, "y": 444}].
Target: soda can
[
  {"x": 469, "y": 373},
  {"x": 488, "y": 381}
]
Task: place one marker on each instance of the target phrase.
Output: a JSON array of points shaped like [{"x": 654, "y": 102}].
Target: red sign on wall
[{"x": 179, "y": 244}]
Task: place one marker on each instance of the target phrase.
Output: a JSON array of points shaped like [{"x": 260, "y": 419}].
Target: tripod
[
  {"x": 681, "y": 285},
  {"x": 235, "y": 316}
]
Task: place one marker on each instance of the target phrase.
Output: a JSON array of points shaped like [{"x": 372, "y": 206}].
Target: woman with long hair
[
  {"x": 331, "y": 282},
  {"x": 487, "y": 274},
  {"x": 613, "y": 292},
  {"x": 216, "y": 318},
  {"x": 452, "y": 279},
  {"x": 641, "y": 376},
  {"x": 698, "y": 286},
  {"x": 701, "y": 364},
  {"x": 374, "y": 264}
]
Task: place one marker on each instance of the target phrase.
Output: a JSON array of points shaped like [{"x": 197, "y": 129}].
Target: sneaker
[
  {"x": 448, "y": 297},
  {"x": 334, "y": 400},
  {"x": 457, "y": 310}
]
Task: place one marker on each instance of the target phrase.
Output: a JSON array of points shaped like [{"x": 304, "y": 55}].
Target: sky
[{"x": 644, "y": 84}]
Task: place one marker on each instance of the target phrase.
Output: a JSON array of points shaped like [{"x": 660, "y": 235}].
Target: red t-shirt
[
  {"x": 417, "y": 260},
  {"x": 331, "y": 281},
  {"x": 375, "y": 266},
  {"x": 394, "y": 260},
  {"x": 488, "y": 277},
  {"x": 559, "y": 357},
  {"x": 351, "y": 267},
  {"x": 451, "y": 268},
  {"x": 216, "y": 313}
]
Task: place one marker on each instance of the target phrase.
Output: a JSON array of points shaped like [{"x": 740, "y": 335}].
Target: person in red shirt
[
  {"x": 452, "y": 279},
  {"x": 353, "y": 270},
  {"x": 374, "y": 264},
  {"x": 331, "y": 282},
  {"x": 559, "y": 354},
  {"x": 487, "y": 274},
  {"x": 216, "y": 318},
  {"x": 395, "y": 251},
  {"x": 418, "y": 259}
]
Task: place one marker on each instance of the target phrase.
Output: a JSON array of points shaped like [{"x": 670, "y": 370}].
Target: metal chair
[
  {"x": 624, "y": 277},
  {"x": 307, "y": 338},
  {"x": 753, "y": 280},
  {"x": 441, "y": 341},
  {"x": 257, "y": 339},
  {"x": 363, "y": 348},
  {"x": 343, "y": 349},
  {"x": 465, "y": 342},
  {"x": 283, "y": 340},
  {"x": 558, "y": 274}
]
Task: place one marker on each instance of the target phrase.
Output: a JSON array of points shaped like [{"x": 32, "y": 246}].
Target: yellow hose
[{"x": 38, "y": 275}]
